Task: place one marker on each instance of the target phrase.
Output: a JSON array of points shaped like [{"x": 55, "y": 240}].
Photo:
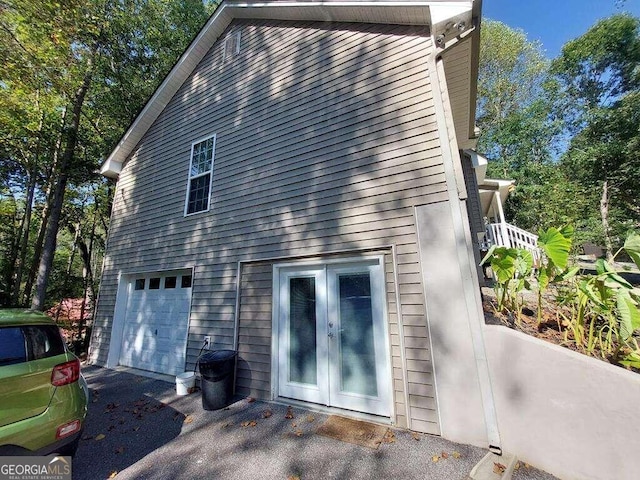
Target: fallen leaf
[
  {"x": 498, "y": 468},
  {"x": 135, "y": 411},
  {"x": 119, "y": 449},
  {"x": 517, "y": 466},
  {"x": 435, "y": 459},
  {"x": 267, "y": 414},
  {"x": 389, "y": 436},
  {"x": 298, "y": 433},
  {"x": 289, "y": 414},
  {"x": 444, "y": 455},
  {"x": 113, "y": 474},
  {"x": 311, "y": 418},
  {"x": 99, "y": 437},
  {"x": 188, "y": 419},
  {"x": 456, "y": 455},
  {"x": 251, "y": 400},
  {"x": 416, "y": 436},
  {"x": 526, "y": 465},
  {"x": 251, "y": 423},
  {"x": 293, "y": 477},
  {"x": 294, "y": 424},
  {"x": 226, "y": 424}
]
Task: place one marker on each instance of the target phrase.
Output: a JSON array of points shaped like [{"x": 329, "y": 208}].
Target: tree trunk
[
  {"x": 28, "y": 209},
  {"x": 24, "y": 230},
  {"x": 37, "y": 249},
  {"x": 50, "y": 241},
  {"x": 604, "y": 215}
]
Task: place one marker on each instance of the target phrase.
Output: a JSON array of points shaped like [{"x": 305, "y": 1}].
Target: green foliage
[
  {"x": 564, "y": 130},
  {"x": 555, "y": 245},
  {"x": 511, "y": 267},
  {"x": 49, "y": 51},
  {"x": 601, "y": 310},
  {"x": 521, "y": 133}
]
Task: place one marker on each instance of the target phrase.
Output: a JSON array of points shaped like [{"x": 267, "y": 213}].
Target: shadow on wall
[{"x": 300, "y": 157}]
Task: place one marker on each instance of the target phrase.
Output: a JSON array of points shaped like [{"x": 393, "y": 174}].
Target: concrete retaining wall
[{"x": 573, "y": 416}]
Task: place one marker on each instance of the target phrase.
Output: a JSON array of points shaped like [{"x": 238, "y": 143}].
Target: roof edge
[{"x": 216, "y": 25}]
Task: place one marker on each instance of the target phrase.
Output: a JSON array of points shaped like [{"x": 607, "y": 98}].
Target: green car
[{"x": 43, "y": 396}]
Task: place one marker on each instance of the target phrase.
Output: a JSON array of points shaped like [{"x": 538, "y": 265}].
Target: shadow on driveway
[
  {"x": 151, "y": 433},
  {"x": 125, "y": 423}
]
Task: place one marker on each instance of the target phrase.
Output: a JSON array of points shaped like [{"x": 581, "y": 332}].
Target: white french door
[{"x": 332, "y": 336}]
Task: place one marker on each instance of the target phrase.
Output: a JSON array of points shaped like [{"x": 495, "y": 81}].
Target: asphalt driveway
[{"x": 139, "y": 428}]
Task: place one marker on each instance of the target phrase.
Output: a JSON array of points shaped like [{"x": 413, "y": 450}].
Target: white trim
[
  {"x": 199, "y": 175},
  {"x": 403, "y": 353},
  {"x": 319, "y": 269},
  {"x": 468, "y": 272}
]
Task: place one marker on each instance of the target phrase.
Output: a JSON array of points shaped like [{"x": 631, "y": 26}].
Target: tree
[
  {"x": 91, "y": 64},
  {"x": 599, "y": 72},
  {"x": 520, "y": 133}
]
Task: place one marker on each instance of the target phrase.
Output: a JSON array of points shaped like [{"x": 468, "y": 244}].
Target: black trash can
[{"x": 217, "y": 368}]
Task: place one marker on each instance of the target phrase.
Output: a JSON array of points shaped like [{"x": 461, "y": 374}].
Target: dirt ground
[{"x": 552, "y": 328}]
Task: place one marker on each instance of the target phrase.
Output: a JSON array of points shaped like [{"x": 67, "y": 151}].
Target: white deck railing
[{"x": 510, "y": 236}]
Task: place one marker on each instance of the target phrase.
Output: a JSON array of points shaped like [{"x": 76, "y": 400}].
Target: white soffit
[{"x": 389, "y": 12}]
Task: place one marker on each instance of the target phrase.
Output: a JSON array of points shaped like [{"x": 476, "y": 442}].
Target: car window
[
  {"x": 43, "y": 341},
  {"x": 13, "y": 346}
]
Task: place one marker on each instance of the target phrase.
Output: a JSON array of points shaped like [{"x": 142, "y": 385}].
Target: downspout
[{"x": 462, "y": 234}]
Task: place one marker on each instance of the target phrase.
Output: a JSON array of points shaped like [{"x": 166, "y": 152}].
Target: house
[{"x": 295, "y": 190}]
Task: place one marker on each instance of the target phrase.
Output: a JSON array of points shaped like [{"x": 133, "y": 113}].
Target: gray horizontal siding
[{"x": 326, "y": 141}]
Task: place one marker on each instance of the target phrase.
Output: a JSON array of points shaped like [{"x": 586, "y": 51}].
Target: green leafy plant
[
  {"x": 601, "y": 311},
  {"x": 511, "y": 268},
  {"x": 555, "y": 245}
]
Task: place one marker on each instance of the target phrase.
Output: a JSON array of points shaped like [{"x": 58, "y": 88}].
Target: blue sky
[{"x": 554, "y": 22}]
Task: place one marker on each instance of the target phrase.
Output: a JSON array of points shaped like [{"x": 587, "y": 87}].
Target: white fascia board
[
  {"x": 445, "y": 15},
  {"x": 479, "y": 163},
  {"x": 392, "y": 12},
  {"x": 110, "y": 168}
]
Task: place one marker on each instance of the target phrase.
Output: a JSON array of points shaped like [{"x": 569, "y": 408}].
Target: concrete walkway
[{"x": 139, "y": 428}]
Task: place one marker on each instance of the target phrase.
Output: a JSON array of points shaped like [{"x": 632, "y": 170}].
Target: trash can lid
[{"x": 217, "y": 356}]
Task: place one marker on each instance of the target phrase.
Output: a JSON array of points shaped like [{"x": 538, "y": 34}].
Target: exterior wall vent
[{"x": 231, "y": 46}]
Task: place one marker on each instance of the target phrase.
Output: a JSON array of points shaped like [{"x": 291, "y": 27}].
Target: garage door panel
[{"x": 156, "y": 328}]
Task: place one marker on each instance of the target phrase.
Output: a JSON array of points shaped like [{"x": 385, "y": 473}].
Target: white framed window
[{"x": 200, "y": 175}]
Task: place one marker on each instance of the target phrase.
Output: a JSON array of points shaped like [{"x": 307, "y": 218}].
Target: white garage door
[{"x": 157, "y": 323}]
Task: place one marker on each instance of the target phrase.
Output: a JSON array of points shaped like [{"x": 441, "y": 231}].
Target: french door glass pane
[
  {"x": 302, "y": 330},
  {"x": 357, "y": 352}
]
